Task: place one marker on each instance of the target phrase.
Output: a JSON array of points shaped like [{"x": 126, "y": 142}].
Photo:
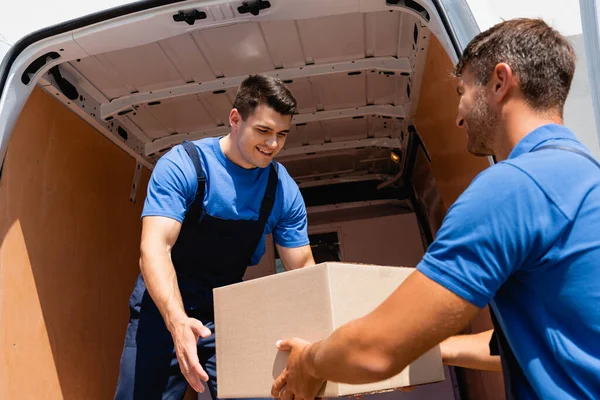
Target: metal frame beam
[
  {"x": 356, "y": 204},
  {"x": 380, "y": 110},
  {"x": 387, "y": 143},
  {"x": 386, "y": 65},
  {"x": 343, "y": 179}
]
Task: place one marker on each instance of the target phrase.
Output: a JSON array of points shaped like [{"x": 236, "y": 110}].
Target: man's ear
[
  {"x": 502, "y": 81},
  {"x": 235, "y": 119}
]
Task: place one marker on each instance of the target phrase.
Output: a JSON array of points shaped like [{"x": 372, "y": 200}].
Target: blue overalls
[{"x": 209, "y": 252}]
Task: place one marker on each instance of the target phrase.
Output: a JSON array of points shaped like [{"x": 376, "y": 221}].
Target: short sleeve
[
  {"x": 501, "y": 224},
  {"x": 172, "y": 186},
  {"x": 291, "y": 229}
]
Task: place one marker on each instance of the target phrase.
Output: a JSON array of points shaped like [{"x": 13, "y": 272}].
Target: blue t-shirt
[
  {"x": 525, "y": 238},
  {"x": 232, "y": 192}
]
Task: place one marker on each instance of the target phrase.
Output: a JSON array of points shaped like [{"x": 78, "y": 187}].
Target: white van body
[{"x": 374, "y": 148}]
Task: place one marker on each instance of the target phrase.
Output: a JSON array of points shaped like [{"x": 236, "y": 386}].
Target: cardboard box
[{"x": 309, "y": 303}]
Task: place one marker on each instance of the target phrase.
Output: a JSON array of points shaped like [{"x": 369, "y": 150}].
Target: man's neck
[
  {"x": 231, "y": 152},
  {"x": 517, "y": 125}
]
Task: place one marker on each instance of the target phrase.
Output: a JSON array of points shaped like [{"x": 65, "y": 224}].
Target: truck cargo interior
[{"x": 374, "y": 149}]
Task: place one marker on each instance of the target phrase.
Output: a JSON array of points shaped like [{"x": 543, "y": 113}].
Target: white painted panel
[
  {"x": 218, "y": 106},
  {"x": 284, "y": 44},
  {"x": 151, "y": 126},
  {"x": 303, "y": 92},
  {"x": 334, "y": 38},
  {"x": 108, "y": 84},
  {"x": 391, "y": 240},
  {"x": 384, "y": 27},
  {"x": 341, "y": 90},
  {"x": 347, "y": 128},
  {"x": 188, "y": 58},
  {"x": 237, "y": 50},
  {"x": 146, "y": 68},
  {"x": 385, "y": 127},
  {"x": 311, "y": 133},
  {"x": 384, "y": 88},
  {"x": 406, "y": 43},
  {"x": 182, "y": 114}
]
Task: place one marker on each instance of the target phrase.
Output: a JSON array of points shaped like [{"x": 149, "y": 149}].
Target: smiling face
[
  {"x": 476, "y": 115},
  {"x": 259, "y": 138}
]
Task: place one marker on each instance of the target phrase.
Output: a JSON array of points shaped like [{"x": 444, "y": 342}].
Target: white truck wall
[{"x": 391, "y": 240}]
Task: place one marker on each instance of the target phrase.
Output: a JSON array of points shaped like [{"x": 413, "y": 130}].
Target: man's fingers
[
  {"x": 200, "y": 330},
  {"x": 279, "y": 384},
  {"x": 193, "y": 371},
  {"x": 195, "y": 383},
  {"x": 192, "y": 379},
  {"x": 198, "y": 370},
  {"x": 193, "y": 362},
  {"x": 186, "y": 342},
  {"x": 283, "y": 345},
  {"x": 286, "y": 394}
]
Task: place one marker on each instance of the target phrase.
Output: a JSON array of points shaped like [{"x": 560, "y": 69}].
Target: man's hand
[
  {"x": 470, "y": 351},
  {"x": 296, "y": 381},
  {"x": 185, "y": 337}
]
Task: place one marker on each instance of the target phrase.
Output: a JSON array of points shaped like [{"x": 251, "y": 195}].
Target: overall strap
[
  {"x": 572, "y": 150},
  {"x": 269, "y": 198},
  {"x": 195, "y": 211}
]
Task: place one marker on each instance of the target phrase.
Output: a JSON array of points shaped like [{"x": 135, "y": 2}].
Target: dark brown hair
[
  {"x": 541, "y": 58},
  {"x": 261, "y": 89}
]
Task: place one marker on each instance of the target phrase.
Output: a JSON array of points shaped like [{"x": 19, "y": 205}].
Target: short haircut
[
  {"x": 260, "y": 89},
  {"x": 543, "y": 60}
]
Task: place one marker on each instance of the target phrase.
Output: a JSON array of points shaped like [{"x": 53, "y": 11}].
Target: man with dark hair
[
  {"x": 209, "y": 206},
  {"x": 522, "y": 238}
]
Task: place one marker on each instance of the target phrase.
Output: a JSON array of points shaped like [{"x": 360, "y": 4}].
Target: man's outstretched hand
[
  {"x": 185, "y": 337},
  {"x": 296, "y": 382}
]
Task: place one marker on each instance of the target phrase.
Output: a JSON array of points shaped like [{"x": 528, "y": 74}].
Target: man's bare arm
[
  {"x": 417, "y": 316},
  {"x": 470, "y": 351},
  {"x": 296, "y": 257},
  {"x": 158, "y": 237},
  {"x": 159, "y": 234}
]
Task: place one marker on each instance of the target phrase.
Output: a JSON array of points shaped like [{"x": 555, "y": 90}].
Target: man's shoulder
[
  {"x": 548, "y": 156},
  {"x": 565, "y": 177},
  {"x": 496, "y": 192},
  {"x": 177, "y": 167},
  {"x": 205, "y": 144},
  {"x": 179, "y": 155},
  {"x": 503, "y": 177},
  {"x": 283, "y": 175}
]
